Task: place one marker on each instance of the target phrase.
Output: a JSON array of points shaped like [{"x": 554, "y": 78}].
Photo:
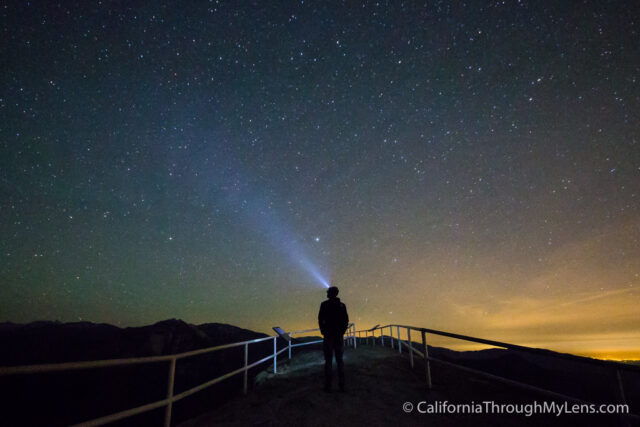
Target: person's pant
[{"x": 333, "y": 344}]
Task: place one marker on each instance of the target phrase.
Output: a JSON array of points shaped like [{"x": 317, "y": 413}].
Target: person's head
[{"x": 332, "y": 292}]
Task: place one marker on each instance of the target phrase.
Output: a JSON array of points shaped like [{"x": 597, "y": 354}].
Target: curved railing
[
  {"x": 172, "y": 359},
  {"x": 617, "y": 368}
]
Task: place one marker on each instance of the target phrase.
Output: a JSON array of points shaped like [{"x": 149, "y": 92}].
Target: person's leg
[
  {"x": 328, "y": 359},
  {"x": 339, "y": 349}
]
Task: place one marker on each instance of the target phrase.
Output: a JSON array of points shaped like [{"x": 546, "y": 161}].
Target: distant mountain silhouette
[
  {"x": 85, "y": 394},
  {"x": 53, "y": 342}
]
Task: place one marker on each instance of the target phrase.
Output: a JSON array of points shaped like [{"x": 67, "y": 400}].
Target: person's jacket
[{"x": 333, "y": 317}]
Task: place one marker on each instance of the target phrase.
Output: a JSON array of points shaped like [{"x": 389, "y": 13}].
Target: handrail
[
  {"x": 617, "y": 366},
  {"x": 173, "y": 358},
  {"x": 49, "y": 367},
  {"x": 304, "y": 331},
  {"x": 540, "y": 351}
]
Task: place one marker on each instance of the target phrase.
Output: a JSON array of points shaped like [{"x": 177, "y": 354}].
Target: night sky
[{"x": 470, "y": 167}]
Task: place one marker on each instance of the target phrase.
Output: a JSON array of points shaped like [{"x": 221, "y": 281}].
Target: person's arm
[
  {"x": 321, "y": 319},
  {"x": 346, "y": 320}
]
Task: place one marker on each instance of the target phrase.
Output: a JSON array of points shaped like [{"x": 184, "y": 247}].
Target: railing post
[
  {"x": 290, "y": 349},
  {"x": 275, "y": 355},
  {"x": 382, "y": 337},
  {"x": 245, "y": 374},
  {"x": 427, "y": 367},
  {"x": 355, "y": 340},
  {"x": 399, "y": 341},
  {"x": 410, "y": 347},
  {"x": 373, "y": 337},
  {"x": 623, "y": 399},
  {"x": 172, "y": 377},
  {"x": 391, "y": 335}
]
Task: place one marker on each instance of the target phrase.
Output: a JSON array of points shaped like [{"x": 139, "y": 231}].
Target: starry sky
[{"x": 471, "y": 167}]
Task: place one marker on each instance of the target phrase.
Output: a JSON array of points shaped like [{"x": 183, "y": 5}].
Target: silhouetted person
[{"x": 333, "y": 320}]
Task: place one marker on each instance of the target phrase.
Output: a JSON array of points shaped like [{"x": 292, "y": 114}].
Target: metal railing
[
  {"x": 352, "y": 336},
  {"x": 172, "y": 359},
  {"x": 617, "y": 368}
]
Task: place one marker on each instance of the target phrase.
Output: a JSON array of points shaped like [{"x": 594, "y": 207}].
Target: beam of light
[
  {"x": 315, "y": 273},
  {"x": 281, "y": 238},
  {"x": 264, "y": 220}
]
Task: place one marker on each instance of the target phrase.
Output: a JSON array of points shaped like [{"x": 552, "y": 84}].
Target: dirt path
[{"x": 379, "y": 381}]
